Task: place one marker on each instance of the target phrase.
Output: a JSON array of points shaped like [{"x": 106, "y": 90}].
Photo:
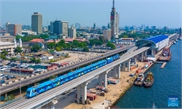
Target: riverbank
[{"x": 115, "y": 91}]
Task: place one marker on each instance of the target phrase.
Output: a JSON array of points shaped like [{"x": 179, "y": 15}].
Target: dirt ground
[
  {"x": 115, "y": 91},
  {"x": 76, "y": 56}
]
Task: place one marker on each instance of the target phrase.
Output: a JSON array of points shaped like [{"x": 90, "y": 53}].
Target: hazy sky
[{"x": 87, "y": 12}]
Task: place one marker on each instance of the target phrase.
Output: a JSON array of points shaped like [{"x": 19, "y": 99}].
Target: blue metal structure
[
  {"x": 35, "y": 90},
  {"x": 157, "y": 38}
]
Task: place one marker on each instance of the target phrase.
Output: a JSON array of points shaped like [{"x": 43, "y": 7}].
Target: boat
[
  {"x": 174, "y": 42},
  {"x": 165, "y": 55},
  {"x": 139, "y": 80},
  {"x": 153, "y": 106},
  {"x": 149, "y": 80}
]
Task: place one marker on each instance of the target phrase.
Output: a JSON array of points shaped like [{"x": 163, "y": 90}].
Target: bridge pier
[
  {"x": 142, "y": 56},
  {"x": 103, "y": 79},
  {"x": 84, "y": 88},
  {"x": 82, "y": 93},
  {"x": 128, "y": 65},
  {"x": 117, "y": 71},
  {"x": 78, "y": 93},
  {"x": 123, "y": 66},
  {"x": 135, "y": 59}
]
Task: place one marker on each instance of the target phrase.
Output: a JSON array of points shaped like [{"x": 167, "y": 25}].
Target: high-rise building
[
  {"x": 108, "y": 26},
  {"x": 51, "y": 27},
  {"x": 180, "y": 32},
  {"x": 72, "y": 32},
  {"x": 94, "y": 27},
  {"x": 60, "y": 27},
  {"x": 114, "y": 22},
  {"x": 14, "y": 29},
  {"x": 107, "y": 34},
  {"x": 37, "y": 22},
  {"x": 65, "y": 27},
  {"x": 117, "y": 25}
]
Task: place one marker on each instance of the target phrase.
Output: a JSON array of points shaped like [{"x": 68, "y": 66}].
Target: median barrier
[
  {"x": 4, "y": 84},
  {"x": 10, "y": 82}
]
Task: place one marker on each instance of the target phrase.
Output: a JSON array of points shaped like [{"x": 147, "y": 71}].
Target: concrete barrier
[
  {"x": 4, "y": 84},
  {"x": 32, "y": 75},
  {"x": 16, "y": 80},
  {"x": 27, "y": 77},
  {"x": 22, "y": 78},
  {"x": 10, "y": 82}
]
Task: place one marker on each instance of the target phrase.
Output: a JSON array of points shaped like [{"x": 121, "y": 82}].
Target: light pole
[{"x": 20, "y": 72}]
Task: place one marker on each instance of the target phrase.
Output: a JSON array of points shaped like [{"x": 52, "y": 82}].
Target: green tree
[
  {"x": 51, "y": 45},
  {"x": 109, "y": 44},
  {"x": 34, "y": 60},
  {"x": 86, "y": 49},
  {"x": 18, "y": 50},
  {"x": 35, "y": 48},
  {"x": 58, "y": 48},
  {"x": 4, "y": 52}
]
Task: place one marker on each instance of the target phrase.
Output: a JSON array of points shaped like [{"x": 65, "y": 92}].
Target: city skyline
[{"x": 131, "y": 13}]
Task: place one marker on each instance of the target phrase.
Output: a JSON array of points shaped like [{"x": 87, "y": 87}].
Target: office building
[
  {"x": 107, "y": 34},
  {"x": 13, "y": 29},
  {"x": 114, "y": 22},
  {"x": 72, "y": 32},
  {"x": 37, "y": 22},
  {"x": 64, "y": 28},
  {"x": 60, "y": 28}
]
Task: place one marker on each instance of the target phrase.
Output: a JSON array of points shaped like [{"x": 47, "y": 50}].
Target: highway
[
  {"x": 51, "y": 94},
  {"x": 34, "y": 79}
]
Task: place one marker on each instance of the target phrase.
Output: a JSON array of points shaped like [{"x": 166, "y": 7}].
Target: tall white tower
[{"x": 114, "y": 22}]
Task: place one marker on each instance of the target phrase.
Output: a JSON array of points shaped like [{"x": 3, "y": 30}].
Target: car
[
  {"x": 7, "y": 77},
  {"x": 13, "y": 76},
  {"x": 2, "y": 81}
]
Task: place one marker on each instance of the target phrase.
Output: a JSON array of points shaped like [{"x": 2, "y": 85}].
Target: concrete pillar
[
  {"x": 78, "y": 93},
  {"x": 105, "y": 79},
  {"x": 142, "y": 56},
  {"x": 123, "y": 66},
  {"x": 128, "y": 65},
  {"x": 101, "y": 79},
  {"x": 145, "y": 54},
  {"x": 135, "y": 59},
  {"x": 6, "y": 95},
  {"x": 119, "y": 70},
  {"x": 152, "y": 52},
  {"x": 84, "y": 93}
]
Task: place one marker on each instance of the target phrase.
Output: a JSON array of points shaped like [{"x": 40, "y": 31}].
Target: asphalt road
[{"x": 34, "y": 79}]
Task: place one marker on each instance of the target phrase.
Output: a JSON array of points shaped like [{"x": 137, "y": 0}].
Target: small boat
[
  {"x": 149, "y": 80},
  {"x": 174, "y": 42},
  {"x": 139, "y": 80},
  {"x": 154, "y": 107}
]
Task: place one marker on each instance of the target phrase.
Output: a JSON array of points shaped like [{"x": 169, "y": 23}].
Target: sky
[{"x": 87, "y": 12}]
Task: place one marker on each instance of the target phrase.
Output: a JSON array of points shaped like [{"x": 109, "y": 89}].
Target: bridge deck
[{"x": 51, "y": 94}]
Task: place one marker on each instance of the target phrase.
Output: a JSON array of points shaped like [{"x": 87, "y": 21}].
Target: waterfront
[{"x": 167, "y": 83}]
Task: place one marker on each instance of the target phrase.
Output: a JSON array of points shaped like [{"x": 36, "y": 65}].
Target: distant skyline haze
[{"x": 87, "y": 12}]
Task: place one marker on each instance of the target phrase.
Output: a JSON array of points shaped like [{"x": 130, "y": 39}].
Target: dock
[{"x": 163, "y": 65}]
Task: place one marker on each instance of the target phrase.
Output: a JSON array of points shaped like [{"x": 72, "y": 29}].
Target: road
[
  {"x": 51, "y": 94},
  {"x": 34, "y": 79}
]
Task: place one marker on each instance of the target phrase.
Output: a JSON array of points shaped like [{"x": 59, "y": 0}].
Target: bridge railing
[{"x": 11, "y": 101}]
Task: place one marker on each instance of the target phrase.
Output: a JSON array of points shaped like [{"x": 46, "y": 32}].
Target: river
[{"x": 167, "y": 83}]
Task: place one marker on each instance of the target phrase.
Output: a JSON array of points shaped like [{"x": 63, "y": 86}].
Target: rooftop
[
  {"x": 157, "y": 38},
  {"x": 6, "y": 43}
]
